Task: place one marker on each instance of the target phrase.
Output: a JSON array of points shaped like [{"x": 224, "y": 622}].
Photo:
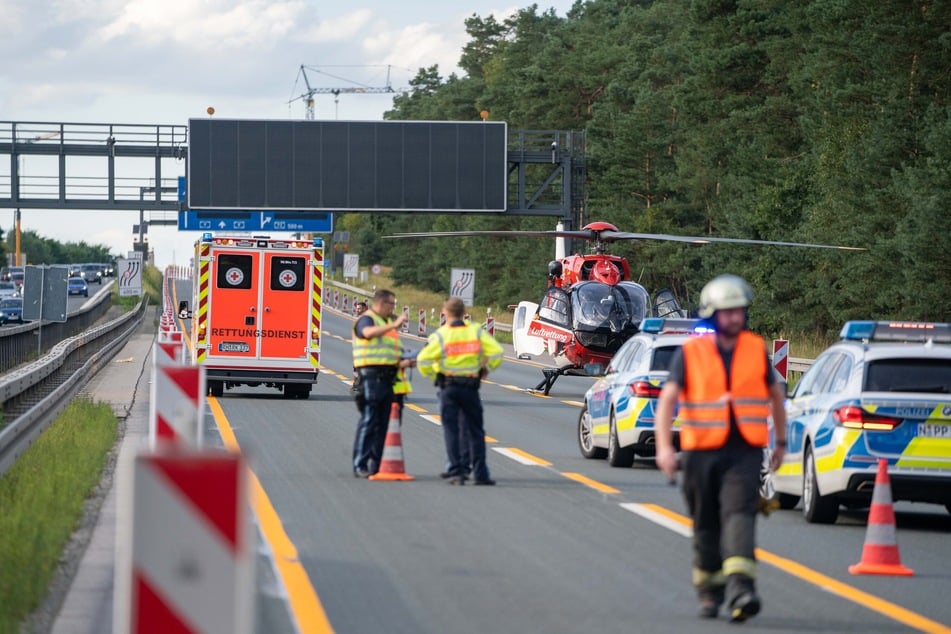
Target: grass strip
[{"x": 41, "y": 501}]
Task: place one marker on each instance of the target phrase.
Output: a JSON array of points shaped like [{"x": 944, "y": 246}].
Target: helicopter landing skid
[{"x": 551, "y": 375}]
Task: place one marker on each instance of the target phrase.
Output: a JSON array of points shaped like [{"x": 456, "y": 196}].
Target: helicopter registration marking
[{"x": 547, "y": 331}]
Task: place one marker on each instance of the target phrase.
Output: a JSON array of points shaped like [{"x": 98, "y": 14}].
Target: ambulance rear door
[
  {"x": 285, "y": 307},
  {"x": 233, "y": 304}
]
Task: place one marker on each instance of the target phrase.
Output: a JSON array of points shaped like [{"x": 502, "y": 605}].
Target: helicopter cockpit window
[
  {"x": 616, "y": 307},
  {"x": 555, "y": 308}
]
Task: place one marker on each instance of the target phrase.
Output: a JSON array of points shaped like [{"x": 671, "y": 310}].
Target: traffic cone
[
  {"x": 391, "y": 466},
  {"x": 880, "y": 553}
]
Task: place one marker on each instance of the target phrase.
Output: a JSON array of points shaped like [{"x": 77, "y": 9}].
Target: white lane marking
[
  {"x": 432, "y": 419},
  {"x": 657, "y": 518},
  {"x": 508, "y": 453}
]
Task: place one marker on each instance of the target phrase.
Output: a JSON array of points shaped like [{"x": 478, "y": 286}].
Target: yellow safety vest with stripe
[
  {"x": 459, "y": 351},
  {"x": 382, "y": 350},
  {"x": 706, "y": 403}
]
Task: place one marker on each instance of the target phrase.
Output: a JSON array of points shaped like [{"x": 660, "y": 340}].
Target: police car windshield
[
  {"x": 616, "y": 307},
  {"x": 909, "y": 375}
]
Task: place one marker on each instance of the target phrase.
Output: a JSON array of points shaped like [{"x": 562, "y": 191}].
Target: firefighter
[
  {"x": 376, "y": 358},
  {"x": 727, "y": 389},
  {"x": 460, "y": 355}
]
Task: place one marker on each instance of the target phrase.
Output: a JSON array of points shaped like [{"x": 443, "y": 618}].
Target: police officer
[
  {"x": 462, "y": 354},
  {"x": 726, "y": 389},
  {"x": 376, "y": 359}
]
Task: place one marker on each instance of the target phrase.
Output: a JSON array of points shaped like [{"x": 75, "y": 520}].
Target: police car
[
  {"x": 883, "y": 391},
  {"x": 617, "y": 419}
]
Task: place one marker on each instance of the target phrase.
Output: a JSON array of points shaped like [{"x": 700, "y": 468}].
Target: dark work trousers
[
  {"x": 371, "y": 428},
  {"x": 460, "y": 402},
  {"x": 721, "y": 487},
  {"x": 465, "y": 458}
]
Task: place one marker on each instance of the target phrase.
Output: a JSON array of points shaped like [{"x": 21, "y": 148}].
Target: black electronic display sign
[{"x": 264, "y": 165}]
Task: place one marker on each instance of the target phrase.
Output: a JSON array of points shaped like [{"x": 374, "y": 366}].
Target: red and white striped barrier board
[
  {"x": 781, "y": 356},
  {"x": 422, "y": 322},
  {"x": 170, "y": 336},
  {"x": 188, "y": 564},
  {"x": 168, "y": 353},
  {"x": 177, "y": 405},
  {"x": 490, "y": 325},
  {"x": 405, "y": 327}
]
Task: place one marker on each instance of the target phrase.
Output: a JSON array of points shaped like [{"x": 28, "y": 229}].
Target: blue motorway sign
[{"x": 239, "y": 220}]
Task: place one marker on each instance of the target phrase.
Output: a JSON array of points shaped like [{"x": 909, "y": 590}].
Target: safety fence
[{"x": 35, "y": 393}]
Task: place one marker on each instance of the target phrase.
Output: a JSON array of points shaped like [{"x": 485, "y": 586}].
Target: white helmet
[{"x": 723, "y": 292}]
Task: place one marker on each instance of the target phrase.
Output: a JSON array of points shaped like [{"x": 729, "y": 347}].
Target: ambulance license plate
[
  {"x": 932, "y": 430},
  {"x": 234, "y": 346}
]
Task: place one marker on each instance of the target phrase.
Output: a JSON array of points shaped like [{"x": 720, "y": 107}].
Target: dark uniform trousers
[
  {"x": 377, "y": 384},
  {"x": 460, "y": 398},
  {"x": 721, "y": 487}
]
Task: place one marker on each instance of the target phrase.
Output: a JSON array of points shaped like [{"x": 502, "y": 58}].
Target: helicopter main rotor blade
[
  {"x": 581, "y": 235},
  {"x": 616, "y": 236},
  {"x": 613, "y": 236}
]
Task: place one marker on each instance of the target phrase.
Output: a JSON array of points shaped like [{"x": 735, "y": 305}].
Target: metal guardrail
[{"x": 36, "y": 393}]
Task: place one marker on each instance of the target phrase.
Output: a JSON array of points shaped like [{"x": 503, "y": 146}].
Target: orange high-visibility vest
[{"x": 705, "y": 402}]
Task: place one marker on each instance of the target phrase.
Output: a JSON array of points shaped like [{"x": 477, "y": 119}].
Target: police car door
[
  {"x": 233, "y": 305},
  {"x": 285, "y": 308}
]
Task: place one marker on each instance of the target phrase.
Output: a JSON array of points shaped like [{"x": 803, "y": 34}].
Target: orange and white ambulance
[{"x": 256, "y": 312}]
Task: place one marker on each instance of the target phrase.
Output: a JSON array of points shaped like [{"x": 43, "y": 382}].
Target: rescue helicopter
[{"x": 591, "y": 305}]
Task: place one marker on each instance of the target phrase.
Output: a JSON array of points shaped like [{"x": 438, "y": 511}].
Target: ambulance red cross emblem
[
  {"x": 234, "y": 276},
  {"x": 288, "y": 278}
]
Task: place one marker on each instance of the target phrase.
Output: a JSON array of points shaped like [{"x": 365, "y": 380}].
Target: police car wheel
[
  {"x": 618, "y": 456},
  {"x": 816, "y": 508},
  {"x": 586, "y": 437}
]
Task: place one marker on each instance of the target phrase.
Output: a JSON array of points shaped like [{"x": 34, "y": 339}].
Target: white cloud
[
  {"x": 416, "y": 46},
  {"x": 205, "y": 24},
  {"x": 341, "y": 28}
]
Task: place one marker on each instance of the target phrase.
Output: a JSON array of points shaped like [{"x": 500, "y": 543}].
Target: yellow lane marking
[
  {"x": 415, "y": 408},
  {"x": 575, "y": 403},
  {"x": 529, "y": 457},
  {"x": 594, "y": 484},
  {"x": 864, "y": 599},
  {"x": 304, "y": 603},
  {"x": 490, "y": 439}
]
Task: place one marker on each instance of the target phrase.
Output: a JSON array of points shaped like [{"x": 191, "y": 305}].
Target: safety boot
[
  {"x": 711, "y": 598},
  {"x": 744, "y": 602}
]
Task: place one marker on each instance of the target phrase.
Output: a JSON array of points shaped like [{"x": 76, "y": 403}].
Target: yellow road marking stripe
[
  {"x": 575, "y": 403},
  {"x": 528, "y": 456},
  {"x": 490, "y": 439},
  {"x": 305, "y": 605},
  {"x": 594, "y": 484},
  {"x": 790, "y": 567},
  {"x": 415, "y": 408}
]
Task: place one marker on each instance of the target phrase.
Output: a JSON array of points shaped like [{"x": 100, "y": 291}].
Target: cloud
[
  {"x": 205, "y": 24},
  {"x": 341, "y": 28},
  {"x": 416, "y": 46}
]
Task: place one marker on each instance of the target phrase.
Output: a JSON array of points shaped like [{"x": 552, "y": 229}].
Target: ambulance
[{"x": 256, "y": 312}]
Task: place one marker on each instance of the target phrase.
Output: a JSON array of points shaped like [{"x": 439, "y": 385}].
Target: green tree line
[
  {"x": 40, "y": 250},
  {"x": 823, "y": 121}
]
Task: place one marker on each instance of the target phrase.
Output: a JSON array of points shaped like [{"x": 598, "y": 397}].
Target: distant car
[
  {"x": 11, "y": 309},
  {"x": 882, "y": 392},
  {"x": 77, "y": 286},
  {"x": 7, "y": 289},
  {"x": 17, "y": 274},
  {"x": 617, "y": 418},
  {"x": 92, "y": 273}
]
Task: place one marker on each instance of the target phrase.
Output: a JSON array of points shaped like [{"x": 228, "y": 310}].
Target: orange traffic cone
[
  {"x": 880, "y": 553},
  {"x": 391, "y": 466}
]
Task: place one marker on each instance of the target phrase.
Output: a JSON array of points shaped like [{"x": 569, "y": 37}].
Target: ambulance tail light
[
  {"x": 644, "y": 389},
  {"x": 854, "y": 417}
]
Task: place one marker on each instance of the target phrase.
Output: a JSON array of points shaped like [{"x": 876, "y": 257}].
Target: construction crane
[{"x": 356, "y": 88}]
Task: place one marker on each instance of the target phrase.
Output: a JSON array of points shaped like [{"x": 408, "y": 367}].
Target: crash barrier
[
  {"x": 20, "y": 343},
  {"x": 34, "y": 394}
]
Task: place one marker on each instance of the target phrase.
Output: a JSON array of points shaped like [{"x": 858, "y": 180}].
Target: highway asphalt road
[{"x": 562, "y": 544}]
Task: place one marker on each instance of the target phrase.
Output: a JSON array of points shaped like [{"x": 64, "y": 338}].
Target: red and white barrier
[
  {"x": 405, "y": 327},
  {"x": 422, "y": 322},
  {"x": 188, "y": 565},
  {"x": 781, "y": 356},
  {"x": 177, "y": 404}
]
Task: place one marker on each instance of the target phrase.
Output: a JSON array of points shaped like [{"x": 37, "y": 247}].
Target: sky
[{"x": 165, "y": 61}]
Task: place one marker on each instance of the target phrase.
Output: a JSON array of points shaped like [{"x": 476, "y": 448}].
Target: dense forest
[
  {"x": 822, "y": 121},
  {"x": 40, "y": 250}
]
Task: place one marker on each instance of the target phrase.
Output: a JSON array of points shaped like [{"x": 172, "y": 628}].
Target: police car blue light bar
[
  {"x": 908, "y": 331},
  {"x": 662, "y": 326}
]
